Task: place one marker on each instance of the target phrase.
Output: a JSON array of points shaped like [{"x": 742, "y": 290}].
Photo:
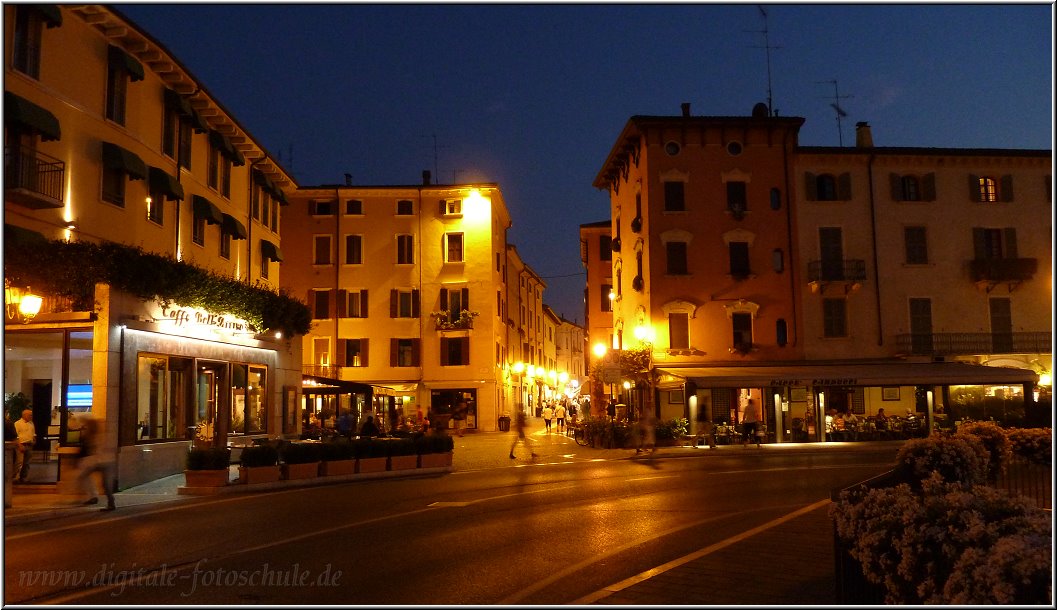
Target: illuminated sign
[{"x": 193, "y": 319}]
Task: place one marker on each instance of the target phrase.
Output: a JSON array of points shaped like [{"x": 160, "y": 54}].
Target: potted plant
[
  {"x": 434, "y": 450},
  {"x": 207, "y": 467},
  {"x": 259, "y": 464},
  {"x": 402, "y": 454},
  {"x": 339, "y": 457},
  {"x": 300, "y": 460},
  {"x": 370, "y": 455}
]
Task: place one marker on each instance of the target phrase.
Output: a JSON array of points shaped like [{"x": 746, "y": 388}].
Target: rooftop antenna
[
  {"x": 436, "y": 172},
  {"x": 837, "y": 97},
  {"x": 289, "y": 162},
  {"x": 768, "y": 46}
]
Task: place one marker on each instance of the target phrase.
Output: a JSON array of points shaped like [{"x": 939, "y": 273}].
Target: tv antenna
[
  {"x": 436, "y": 172},
  {"x": 768, "y": 46},
  {"x": 837, "y": 97}
]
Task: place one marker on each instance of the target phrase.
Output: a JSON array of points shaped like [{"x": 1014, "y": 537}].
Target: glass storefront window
[
  {"x": 163, "y": 384},
  {"x": 248, "y": 392}
]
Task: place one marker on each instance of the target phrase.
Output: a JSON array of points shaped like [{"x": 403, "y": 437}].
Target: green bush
[
  {"x": 369, "y": 448},
  {"x": 1034, "y": 444},
  {"x": 340, "y": 449},
  {"x": 434, "y": 443},
  {"x": 211, "y": 458},
  {"x": 400, "y": 446},
  {"x": 259, "y": 455},
  {"x": 672, "y": 429},
  {"x": 955, "y": 459},
  {"x": 301, "y": 453}
]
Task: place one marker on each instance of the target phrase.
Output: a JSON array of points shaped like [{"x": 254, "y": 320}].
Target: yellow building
[
  {"x": 808, "y": 279},
  {"x": 596, "y": 255},
  {"x": 110, "y": 141},
  {"x": 407, "y": 288},
  {"x": 525, "y": 357}
]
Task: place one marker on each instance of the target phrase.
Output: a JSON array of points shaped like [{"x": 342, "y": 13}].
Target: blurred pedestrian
[
  {"x": 369, "y": 428},
  {"x": 458, "y": 415},
  {"x": 548, "y": 415},
  {"x": 345, "y": 424},
  {"x": 647, "y": 432},
  {"x": 27, "y": 435},
  {"x": 94, "y": 458},
  {"x": 519, "y": 427},
  {"x": 750, "y": 421}
]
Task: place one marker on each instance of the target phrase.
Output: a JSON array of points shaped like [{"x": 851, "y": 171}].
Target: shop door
[
  {"x": 41, "y": 404},
  {"x": 212, "y": 378}
]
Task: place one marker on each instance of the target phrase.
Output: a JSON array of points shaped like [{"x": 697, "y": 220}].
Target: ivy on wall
[{"x": 71, "y": 270}]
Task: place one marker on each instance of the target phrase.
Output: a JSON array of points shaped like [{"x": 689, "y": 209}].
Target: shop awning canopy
[
  {"x": 115, "y": 157},
  {"x": 206, "y": 209},
  {"x": 233, "y": 227},
  {"x": 131, "y": 65},
  {"x": 271, "y": 251},
  {"x": 852, "y": 374},
  {"x": 24, "y": 112},
  {"x": 165, "y": 183},
  {"x": 321, "y": 385},
  {"x": 182, "y": 105}
]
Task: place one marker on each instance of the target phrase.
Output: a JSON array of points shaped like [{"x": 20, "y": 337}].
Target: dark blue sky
[{"x": 533, "y": 96}]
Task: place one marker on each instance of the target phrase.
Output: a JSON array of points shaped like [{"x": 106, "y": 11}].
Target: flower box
[
  {"x": 403, "y": 462},
  {"x": 295, "y": 472},
  {"x": 333, "y": 468},
  {"x": 435, "y": 460},
  {"x": 252, "y": 475},
  {"x": 371, "y": 464},
  {"x": 206, "y": 478}
]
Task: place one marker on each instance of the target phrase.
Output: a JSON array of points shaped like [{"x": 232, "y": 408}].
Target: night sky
[{"x": 532, "y": 97}]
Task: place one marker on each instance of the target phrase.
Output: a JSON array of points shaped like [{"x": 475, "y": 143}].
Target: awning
[
  {"x": 205, "y": 208},
  {"x": 233, "y": 227},
  {"x": 319, "y": 385},
  {"x": 266, "y": 183},
  {"x": 15, "y": 235},
  {"x": 271, "y": 251},
  {"x": 115, "y": 157},
  {"x": 224, "y": 145},
  {"x": 50, "y": 13},
  {"x": 24, "y": 112},
  {"x": 857, "y": 374},
  {"x": 131, "y": 64},
  {"x": 164, "y": 183}
]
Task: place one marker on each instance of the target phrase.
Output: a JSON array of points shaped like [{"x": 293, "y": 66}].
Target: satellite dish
[{"x": 759, "y": 111}]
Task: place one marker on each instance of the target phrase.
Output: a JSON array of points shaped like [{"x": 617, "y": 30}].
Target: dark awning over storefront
[
  {"x": 206, "y": 209},
  {"x": 233, "y": 227},
  {"x": 325, "y": 385},
  {"x": 24, "y": 112},
  {"x": 226, "y": 148},
  {"x": 115, "y": 157},
  {"x": 271, "y": 251},
  {"x": 130, "y": 63},
  {"x": 856, "y": 374},
  {"x": 164, "y": 183}
]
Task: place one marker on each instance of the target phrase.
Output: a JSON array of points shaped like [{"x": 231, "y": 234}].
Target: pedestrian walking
[
  {"x": 458, "y": 415},
  {"x": 548, "y": 415},
  {"x": 94, "y": 458},
  {"x": 750, "y": 421},
  {"x": 647, "y": 432},
  {"x": 559, "y": 417},
  {"x": 27, "y": 435},
  {"x": 519, "y": 429}
]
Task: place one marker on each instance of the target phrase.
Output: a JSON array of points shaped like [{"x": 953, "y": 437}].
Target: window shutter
[
  {"x": 1006, "y": 193},
  {"x": 444, "y": 299},
  {"x": 465, "y": 299},
  {"x": 928, "y": 187},
  {"x": 810, "y": 186},
  {"x": 443, "y": 207},
  {"x": 844, "y": 187},
  {"x": 974, "y": 188},
  {"x": 363, "y": 303},
  {"x": 416, "y": 348},
  {"x": 979, "y": 243},
  {"x": 340, "y": 348},
  {"x": 414, "y": 303},
  {"x": 896, "y": 182},
  {"x": 394, "y": 299},
  {"x": 444, "y": 351},
  {"x": 342, "y": 298},
  {"x": 363, "y": 352},
  {"x": 394, "y": 347},
  {"x": 1009, "y": 243}
]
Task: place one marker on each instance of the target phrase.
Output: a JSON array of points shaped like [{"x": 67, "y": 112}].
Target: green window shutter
[
  {"x": 974, "y": 188},
  {"x": 1006, "y": 188},
  {"x": 896, "y": 183},
  {"x": 416, "y": 349},
  {"x": 444, "y": 299},
  {"x": 394, "y": 348},
  {"x": 363, "y": 303},
  {"x": 810, "y": 186},
  {"x": 394, "y": 299},
  {"x": 844, "y": 187},
  {"x": 339, "y": 358},
  {"x": 928, "y": 187},
  {"x": 444, "y": 351},
  {"x": 342, "y": 303},
  {"x": 979, "y": 243},
  {"x": 465, "y": 299},
  {"x": 1009, "y": 243}
]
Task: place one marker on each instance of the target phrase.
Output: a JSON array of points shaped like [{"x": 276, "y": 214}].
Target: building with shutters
[{"x": 117, "y": 158}]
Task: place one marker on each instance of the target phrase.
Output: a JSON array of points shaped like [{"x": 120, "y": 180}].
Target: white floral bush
[
  {"x": 1035, "y": 444},
  {"x": 994, "y": 439},
  {"x": 955, "y": 459}
]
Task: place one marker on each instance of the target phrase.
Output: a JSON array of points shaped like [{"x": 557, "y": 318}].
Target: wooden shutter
[
  {"x": 928, "y": 187},
  {"x": 339, "y": 359},
  {"x": 974, "y": 188},
  {"x": 896, "y": 183},
  {"x": 810, "y": 186},
  {"x": 363, "y": 352},
  {"x": 1005, "y": 192},
  {"x": 414, "y": 303},
  {"x": 342, "y": 298},
  {"x": 444, "y": 351},
  {"x": 394, "y": 348},
  {"x": 464, "y": 349},
  {"x": 1009, "y": 243},
  {"x": 844, "y": 187},
  {"x": 979, "y": 243},
  {"x": 363, "y": 303},
  {"x": 465, "y": 299},
  {"x": 444, "y": 299},
  {"x": 394, "y": 302},
  {"x": 416, "y": 348}
]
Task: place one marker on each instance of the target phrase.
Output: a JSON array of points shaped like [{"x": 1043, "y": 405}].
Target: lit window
[{"x": 988, "y": 189}]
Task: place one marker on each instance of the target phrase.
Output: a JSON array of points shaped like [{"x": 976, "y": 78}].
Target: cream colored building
[
  {"x": 525, "y": 357},
  {"x": 110, "y": 139},
  {"x": 596, "y": 255}
]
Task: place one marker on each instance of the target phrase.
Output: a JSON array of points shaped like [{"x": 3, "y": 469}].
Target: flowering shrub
[
  {"x": 994, "y": 440},
  {"x": 673, "y": 428},
  {"x": 1035, "y": 444},
  {"x": 948, "y": 543},
  {"x": 954, "y": 459}
]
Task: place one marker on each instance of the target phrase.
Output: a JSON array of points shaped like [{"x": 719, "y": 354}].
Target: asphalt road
[{"x": 535, "y": 534}]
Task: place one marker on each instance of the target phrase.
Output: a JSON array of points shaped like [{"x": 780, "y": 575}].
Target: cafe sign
[{"x": 189, "y": 318}]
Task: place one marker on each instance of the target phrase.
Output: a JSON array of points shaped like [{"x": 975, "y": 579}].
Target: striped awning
[{"x": 26, "y": 113}]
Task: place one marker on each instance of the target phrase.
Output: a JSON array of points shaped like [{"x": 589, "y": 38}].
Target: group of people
[{"x": 556, "y": 414}]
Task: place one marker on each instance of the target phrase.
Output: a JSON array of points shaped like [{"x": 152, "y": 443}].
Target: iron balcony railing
[
  {"x": 940, "y": 344},
  {"x": 33, "y": 171},
  {"x": 321, "y": 370},
  {"x": 847, "y": 270},
  {"x": 1002, "y": 269}
]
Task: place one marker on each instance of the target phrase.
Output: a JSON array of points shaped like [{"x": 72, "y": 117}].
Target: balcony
[
  {"x": 443, "y": 321},
  {"x": 321, "y": 370},
  {"x": 849, "y": 273},
  {"x": 951, "y": 344},
  {"x": 33, "y": 179},
  {"x": 987, "y": 273}
]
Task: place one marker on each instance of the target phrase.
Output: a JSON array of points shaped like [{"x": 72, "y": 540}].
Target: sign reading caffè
[{"x": 188, "y": 317}]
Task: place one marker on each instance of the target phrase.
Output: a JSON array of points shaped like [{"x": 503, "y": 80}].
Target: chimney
[
  {"x": 426, "y": 177},
  {"x": 863, "y": 137},
  {"x": 686, "y": 109},
  {"x": 348, "y": 179}
]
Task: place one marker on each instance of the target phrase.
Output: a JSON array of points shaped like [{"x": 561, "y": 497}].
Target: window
[
  {"x": 405, "y": 207},
  {"x": 451, "y": 207},
  {"x": 781, "y": 331},
  {"x": 741, "y": 324},
  {"x": 676, "y": 256},
  {"x": 321, "y": 208},
  {"x": 834, "y": 318},
  {"x": 737, "y": 200},
  {"x": 357, "y": 303},
  {"x": 353, "y": 249},
  {"x": 114, "y": 186},
  {"x": 213, "y": 167},
  {"x": 320, "y": 304},
  {"x": 121, "y": 67},
  {"x": 354, "y": 207},
  {"x": 321, "y": 351},
  {"x": 29, "y": 30},
  {"x": 405, "y": 249},
  {"x": 674, "y": 200},
  {"x": 920, "y": 325},
  {"x": 266, "y": 207},
  {"x": 256, "y": 196},
  {"x": 352, "y": 352},
  {"x": 734, "y": 148},
  {"x": 249, "y": 413},
  {"x": 988, "y": 189},
  {"x": 265, "y": 267},
  {"x": 198, "y": 232},
  {"x": 453, "y": 248},
  {"x": 156, "y": 208},
  {"x": 777, "y": 260},
  {"x": 275, "y": 216},
  {"x": 605, "y": 248},
  {"x": 184, "y": 144},
  {"x": 776, "y": 199},
  {"x": 403, "y": 303},
  {"x": 225, "y": 176},
  {"x": 164, "y": 384},
  {"x": 672, "y": 148},
  {"x": 321, "y": 248},
  {"x": 454, "y": 301},
  {"x": 404, "y": 352},
  {"x": 679, "y": 330},
  {"x": 911, "y": 190},
  {"x": 916, "y": 246},
  {"x": 989, "y": 244},
  {"x": 454, "y": 351},
  {"x": 827, "y": 188},
  {"x": 739, "y": 259},
  {"x": 605, "y": 298},
  {"x": 225, "y": 245}
]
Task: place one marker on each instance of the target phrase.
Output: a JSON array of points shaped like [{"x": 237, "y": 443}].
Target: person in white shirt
[
  {"x": 548, "y": 415},
  {"x": 559, "y": 416},
  {"x": 27, "y": 435}
]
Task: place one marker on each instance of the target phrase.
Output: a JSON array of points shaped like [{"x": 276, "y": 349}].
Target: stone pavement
[{"x": 788, "y": 562}]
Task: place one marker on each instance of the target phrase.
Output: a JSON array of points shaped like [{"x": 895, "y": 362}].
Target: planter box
[
  {"x": 337, "y": 467},
  {"x": 376, "y": 464},
  {"x": 258, "y": 474},
  {"x": 403, "y": 462},
  {"x": 206, "y": 478},
  {"x": 435, "y": 460},
  {"x": 295, "y": 472}
]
